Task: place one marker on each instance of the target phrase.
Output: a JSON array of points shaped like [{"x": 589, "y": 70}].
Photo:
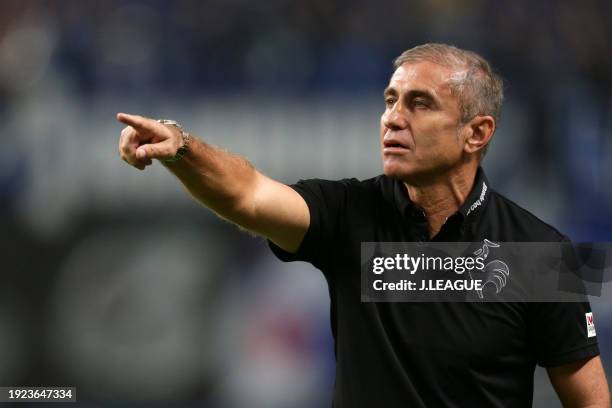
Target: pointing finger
[{"x": 136, "y": 121}]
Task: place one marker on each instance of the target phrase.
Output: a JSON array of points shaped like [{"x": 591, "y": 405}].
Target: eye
[
  {"x": 420, "y": 104},
  {"x": 389, "y": 100}
]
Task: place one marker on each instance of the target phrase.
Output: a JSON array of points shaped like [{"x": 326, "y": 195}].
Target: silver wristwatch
[{"x": 186, "y": 139}]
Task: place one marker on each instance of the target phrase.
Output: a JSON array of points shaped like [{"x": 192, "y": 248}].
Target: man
[{"x": 441, "y": 109}]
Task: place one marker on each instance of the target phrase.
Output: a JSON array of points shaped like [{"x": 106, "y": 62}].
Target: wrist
[{"x": 186, "y": 139}]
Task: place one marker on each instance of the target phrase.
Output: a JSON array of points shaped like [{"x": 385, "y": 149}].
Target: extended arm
[
  {"x": 226, "y": 183},
  {"x": 581, "y": 384}
]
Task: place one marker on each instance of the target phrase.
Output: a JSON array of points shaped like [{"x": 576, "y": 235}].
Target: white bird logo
[{"x": 495, "y": 272}]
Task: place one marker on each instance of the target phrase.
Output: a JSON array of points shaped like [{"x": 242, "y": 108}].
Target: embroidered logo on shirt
[
  {"x": 478, "y": 202},
  {"x": 590, "y": 325}
]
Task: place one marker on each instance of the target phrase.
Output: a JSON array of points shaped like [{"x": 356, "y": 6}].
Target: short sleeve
[
  {"x": 326, "y": 202},
  {"x": 562, "y": 332}
]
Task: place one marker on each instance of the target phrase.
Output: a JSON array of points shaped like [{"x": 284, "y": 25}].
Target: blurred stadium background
[{"x": 115, "y": 281}]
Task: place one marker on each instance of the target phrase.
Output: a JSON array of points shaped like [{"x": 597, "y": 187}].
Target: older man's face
[{"x": 419, "y": 130}]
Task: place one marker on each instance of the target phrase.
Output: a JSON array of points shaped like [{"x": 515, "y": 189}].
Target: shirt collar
[
  {"x": 473, "y": 203},
  {"x": 478, "y": 196}
]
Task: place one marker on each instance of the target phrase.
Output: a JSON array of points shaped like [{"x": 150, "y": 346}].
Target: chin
[
  {"x": 406, "y": 172},
  {"x": 395, "y": 170}
]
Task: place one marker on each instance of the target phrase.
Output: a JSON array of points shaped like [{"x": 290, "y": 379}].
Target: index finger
[{"x": 136, "y": 121}]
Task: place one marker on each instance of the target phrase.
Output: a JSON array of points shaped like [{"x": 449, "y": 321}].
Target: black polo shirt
[{"x": 431, "y": 354}]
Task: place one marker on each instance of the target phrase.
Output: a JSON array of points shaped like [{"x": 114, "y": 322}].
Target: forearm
[
  {"x": 220, "y": 180},
  {"x": 582, "y": 384},
  {"x": 224, "y": 182}
]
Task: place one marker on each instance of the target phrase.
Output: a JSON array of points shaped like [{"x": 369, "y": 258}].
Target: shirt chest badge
[{"x": 590, "y": 324}]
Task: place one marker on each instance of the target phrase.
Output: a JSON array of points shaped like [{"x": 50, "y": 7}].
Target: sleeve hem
[
  {"x": 570, "y": 356},
  {"x": 302, "y": 253}
]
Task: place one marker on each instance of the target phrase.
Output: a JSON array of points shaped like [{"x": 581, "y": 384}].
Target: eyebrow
[{"x": 389, "y": 91}]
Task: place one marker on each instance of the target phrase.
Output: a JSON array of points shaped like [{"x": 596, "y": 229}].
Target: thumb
[{"x": 162, "y": 151}]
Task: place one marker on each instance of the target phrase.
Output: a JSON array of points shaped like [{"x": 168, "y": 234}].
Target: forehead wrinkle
[{"x": 402, "y": 86}]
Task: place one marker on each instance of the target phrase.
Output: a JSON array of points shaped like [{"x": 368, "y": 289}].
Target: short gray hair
[{"x": 480, "y": 90}]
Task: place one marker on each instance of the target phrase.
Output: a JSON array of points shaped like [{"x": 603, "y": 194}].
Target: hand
[{"x": 145, "y": 139}]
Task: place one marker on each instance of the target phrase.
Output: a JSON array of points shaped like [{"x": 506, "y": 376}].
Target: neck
[{"x": 443, "y": 196}]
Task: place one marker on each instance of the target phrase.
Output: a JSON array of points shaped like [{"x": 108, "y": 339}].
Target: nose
[{"x": 394, "y": 118}]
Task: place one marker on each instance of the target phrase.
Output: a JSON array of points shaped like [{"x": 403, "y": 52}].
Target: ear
[{"x": 480, "y": 132}]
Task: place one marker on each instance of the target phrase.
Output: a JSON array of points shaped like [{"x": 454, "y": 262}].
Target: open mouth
[{"x": 391, "y": 145}]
